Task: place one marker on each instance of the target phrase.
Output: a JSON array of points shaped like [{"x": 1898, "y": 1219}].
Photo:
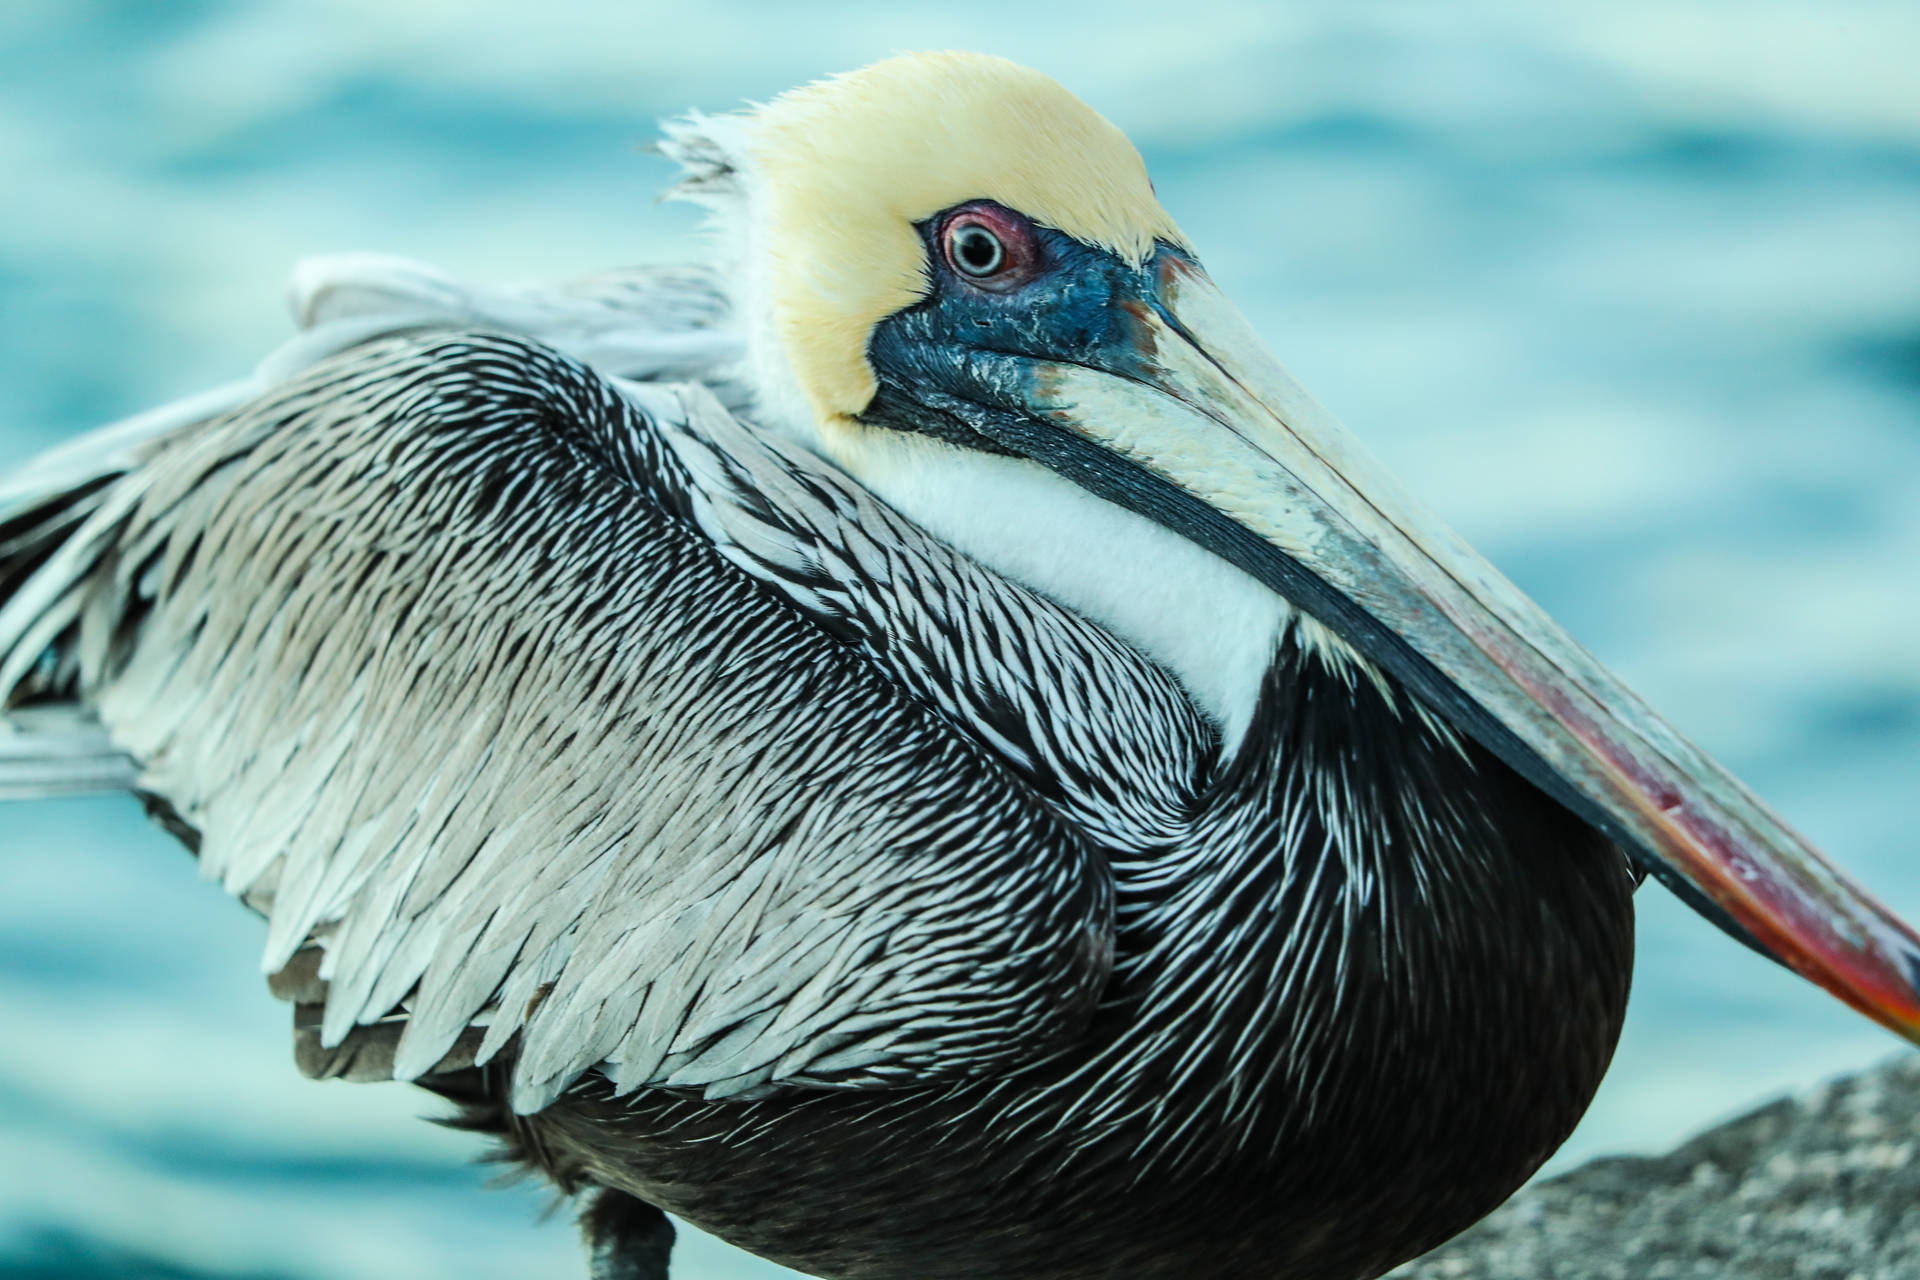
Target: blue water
[{"x": 1628, "y": 292}]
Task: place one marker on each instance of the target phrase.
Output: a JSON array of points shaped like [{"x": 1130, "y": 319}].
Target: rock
[{"x": 1822, "y": 1187}]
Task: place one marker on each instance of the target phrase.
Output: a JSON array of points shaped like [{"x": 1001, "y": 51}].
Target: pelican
[{"x": 917, "y": 747}]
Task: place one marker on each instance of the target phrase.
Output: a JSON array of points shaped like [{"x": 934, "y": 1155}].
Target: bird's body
[
  {"x": 1052, "y": 870},
  {"x": 1174, "y": 1151}
]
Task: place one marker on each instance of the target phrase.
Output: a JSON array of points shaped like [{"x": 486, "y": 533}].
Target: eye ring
[{"x": 974, "y": 250}]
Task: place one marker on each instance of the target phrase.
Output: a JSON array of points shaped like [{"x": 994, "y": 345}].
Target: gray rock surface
[{"x": 1821, "y": 1187}]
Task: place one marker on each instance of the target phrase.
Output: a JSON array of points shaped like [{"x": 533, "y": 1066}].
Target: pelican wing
[
  {"x": 1107, "y": 737},
  {"x": 425, "y": 649}
]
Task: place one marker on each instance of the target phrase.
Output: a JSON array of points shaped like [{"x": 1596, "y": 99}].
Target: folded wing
[{"x": 425, "y": 650}]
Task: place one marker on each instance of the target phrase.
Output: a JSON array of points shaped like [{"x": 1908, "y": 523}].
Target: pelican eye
[
  {"x": 988, "y": 246},
  {"x": 975, "y": 251}
]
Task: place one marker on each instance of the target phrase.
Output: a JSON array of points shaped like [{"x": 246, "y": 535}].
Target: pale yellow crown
[{"x": 848, "y": 165}]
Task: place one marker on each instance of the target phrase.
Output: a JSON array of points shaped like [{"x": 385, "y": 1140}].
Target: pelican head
[{"x": 959, "y": 285}]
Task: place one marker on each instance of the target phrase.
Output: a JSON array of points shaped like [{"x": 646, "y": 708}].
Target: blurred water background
[{"x": 1628, "y": 291}]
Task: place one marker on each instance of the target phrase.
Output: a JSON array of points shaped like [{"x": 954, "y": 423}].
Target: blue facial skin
[{"x": 959, "y": 364}]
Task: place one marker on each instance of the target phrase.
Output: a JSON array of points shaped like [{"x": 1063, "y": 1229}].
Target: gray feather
[{"x": 418, "y": 645}]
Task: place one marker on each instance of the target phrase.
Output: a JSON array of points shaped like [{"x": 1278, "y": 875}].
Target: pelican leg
[{"x": 626, "y": 1239}]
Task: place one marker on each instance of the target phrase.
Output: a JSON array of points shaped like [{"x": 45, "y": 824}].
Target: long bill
[{"x": 1203, "y": 430}]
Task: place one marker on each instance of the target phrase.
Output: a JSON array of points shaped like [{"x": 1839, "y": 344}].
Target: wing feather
[{"x": 425, "y": 646}]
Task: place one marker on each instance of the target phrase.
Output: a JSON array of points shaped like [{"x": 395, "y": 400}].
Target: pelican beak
[{"x": 1199, "y": 427}]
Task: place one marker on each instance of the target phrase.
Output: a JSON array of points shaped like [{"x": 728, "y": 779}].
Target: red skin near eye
[{"x": 1021, "y": 255}]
